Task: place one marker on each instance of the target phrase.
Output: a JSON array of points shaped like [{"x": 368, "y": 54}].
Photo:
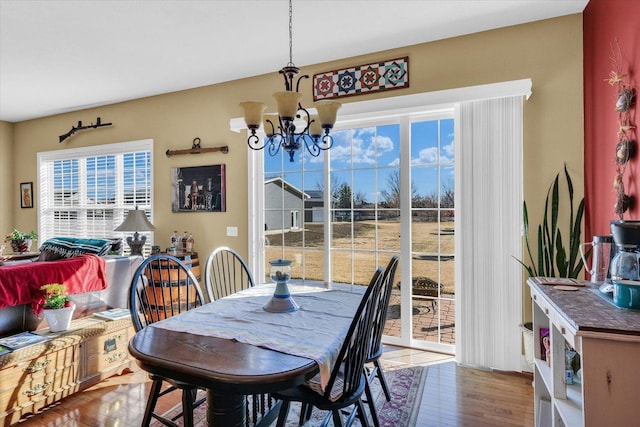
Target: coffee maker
[{"x": 625, "y": 265}]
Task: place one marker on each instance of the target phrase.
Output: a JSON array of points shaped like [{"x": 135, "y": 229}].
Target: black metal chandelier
[{"x": 280, "y": 129}]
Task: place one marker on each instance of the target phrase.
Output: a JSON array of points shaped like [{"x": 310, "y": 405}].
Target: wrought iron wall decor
[
  {"x": 361, "y": 79},
  {"x": 78, "y": 128}
]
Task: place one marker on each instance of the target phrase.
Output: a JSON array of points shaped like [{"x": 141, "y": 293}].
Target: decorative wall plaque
[{"x": 375, "y": 77}]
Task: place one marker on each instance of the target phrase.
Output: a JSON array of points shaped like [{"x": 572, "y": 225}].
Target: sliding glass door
[{"x": 385, "y": 188}]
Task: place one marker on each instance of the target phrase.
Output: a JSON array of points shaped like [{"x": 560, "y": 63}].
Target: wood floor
[{"x": 453, "y": 396}]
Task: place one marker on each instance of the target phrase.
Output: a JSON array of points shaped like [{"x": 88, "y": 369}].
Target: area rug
[{"x": 406, "y": 385}]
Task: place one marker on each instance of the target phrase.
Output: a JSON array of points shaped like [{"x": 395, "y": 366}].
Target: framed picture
[
  {"x": 198, "y": 189},
  {"x": 26, "y": 194}
]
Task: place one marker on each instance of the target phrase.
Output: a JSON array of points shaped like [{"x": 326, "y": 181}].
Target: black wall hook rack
[{"x": 78, "y": 128}]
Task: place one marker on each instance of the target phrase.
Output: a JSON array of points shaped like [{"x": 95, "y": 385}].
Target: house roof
[
  {"x": 287, "y": 186},
  {"x": 59, "y": 56}
]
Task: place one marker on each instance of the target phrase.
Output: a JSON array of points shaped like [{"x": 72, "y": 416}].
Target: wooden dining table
[{"x": 203, "y": 346}]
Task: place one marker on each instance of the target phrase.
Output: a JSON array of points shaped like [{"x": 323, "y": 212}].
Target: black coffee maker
[{"x": 626, "y": 236}]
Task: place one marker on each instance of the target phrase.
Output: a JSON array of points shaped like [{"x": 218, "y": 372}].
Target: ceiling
[{"x": 60, "y": 56}]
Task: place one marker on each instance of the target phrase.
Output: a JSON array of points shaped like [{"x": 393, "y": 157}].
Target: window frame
[{"x": 46, "y": 186}]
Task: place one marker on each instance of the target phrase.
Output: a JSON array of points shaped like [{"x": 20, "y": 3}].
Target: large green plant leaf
[{"x": 553, "y": 258}]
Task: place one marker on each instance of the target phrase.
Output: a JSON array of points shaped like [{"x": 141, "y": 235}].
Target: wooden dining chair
[
  {"x": 162, "y": 287},
  {"x": 347, "y": 381},
  {"x": 226, "y": 273},
  {"x": 375, "y": 349}
]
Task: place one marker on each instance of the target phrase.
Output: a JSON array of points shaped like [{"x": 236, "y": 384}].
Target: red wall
[{"x": 604, "y": 21}]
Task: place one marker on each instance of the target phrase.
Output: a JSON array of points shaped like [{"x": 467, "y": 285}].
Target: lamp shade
[
  {"x": 287, "y": 103},
  {"x": 315, "y": 129},
  {"x": 253, "y": 113},
  {"x": 136, "y": 220},
  {"x": 270, "y": 128},
  {"x": 327, "y": 111}
]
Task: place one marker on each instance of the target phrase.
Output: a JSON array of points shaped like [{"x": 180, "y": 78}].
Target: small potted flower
[
  {"x": 58, "y": 308},
  {"x": 21, "y": 242}
]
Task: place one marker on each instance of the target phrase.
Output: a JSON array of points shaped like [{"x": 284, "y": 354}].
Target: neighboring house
[{"x": 283, "y": 204}]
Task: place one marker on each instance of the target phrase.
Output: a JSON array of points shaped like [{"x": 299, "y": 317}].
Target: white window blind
[
  {"x": 488, "y": 235},
  {"x": 86, "y": 192}
]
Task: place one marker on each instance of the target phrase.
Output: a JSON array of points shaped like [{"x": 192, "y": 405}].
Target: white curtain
[{"x": 488, "y": 236}]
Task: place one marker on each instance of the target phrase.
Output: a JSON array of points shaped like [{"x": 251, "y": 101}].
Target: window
[{"x": 86, "y": 192}]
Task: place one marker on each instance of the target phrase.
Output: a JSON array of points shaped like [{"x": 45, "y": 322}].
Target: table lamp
[{"x": 135, "y": 221}]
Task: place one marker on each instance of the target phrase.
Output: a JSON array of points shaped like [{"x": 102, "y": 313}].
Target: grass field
[{"x": 359, "y": 247}]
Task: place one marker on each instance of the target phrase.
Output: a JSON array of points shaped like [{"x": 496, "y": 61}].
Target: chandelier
[{"x": 280, "y": 129}]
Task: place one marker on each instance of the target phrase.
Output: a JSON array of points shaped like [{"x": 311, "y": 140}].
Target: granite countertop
[{"x": 588, "y": 309}]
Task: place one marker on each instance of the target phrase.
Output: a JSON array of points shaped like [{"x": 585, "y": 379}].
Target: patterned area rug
[{"x": 405, "y": 383}]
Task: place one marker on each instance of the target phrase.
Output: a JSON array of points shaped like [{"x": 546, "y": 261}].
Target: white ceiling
[{"x": 59, "y": 56}]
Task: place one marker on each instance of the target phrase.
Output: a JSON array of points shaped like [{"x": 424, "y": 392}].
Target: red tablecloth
[{"x": 20, "y": 283}]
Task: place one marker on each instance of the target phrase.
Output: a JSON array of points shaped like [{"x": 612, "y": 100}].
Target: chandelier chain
[{"x": 290, "y": 33}]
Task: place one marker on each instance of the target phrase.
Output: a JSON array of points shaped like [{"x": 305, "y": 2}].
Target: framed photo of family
[
  {"x": 26, "y": 194},
  {"x": 198, "y": 189}
]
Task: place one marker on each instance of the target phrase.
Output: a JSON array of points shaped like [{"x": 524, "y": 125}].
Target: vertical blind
[
  {"x": 86, "y": 192},
  {"x": 489, "y": 209}
]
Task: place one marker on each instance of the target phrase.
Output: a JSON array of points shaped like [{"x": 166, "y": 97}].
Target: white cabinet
[{"x": 607, "y": 339}]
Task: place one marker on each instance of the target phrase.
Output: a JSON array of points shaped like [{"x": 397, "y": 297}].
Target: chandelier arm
[
  {"x": 312, "y": 147},
  {"x": 324, "y": 142},
  {"x": 254, "y": 142},
  {"x": 307, "y": 119},
  {"x": 274, "y": 142},
  {"x": 306, "y": 76},
  {"x": 273, "y": 127}
]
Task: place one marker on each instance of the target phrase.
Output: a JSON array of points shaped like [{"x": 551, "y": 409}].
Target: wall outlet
[{"x": 232, "y": 231}]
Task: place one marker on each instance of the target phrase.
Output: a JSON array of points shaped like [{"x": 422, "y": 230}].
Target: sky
[{"x": 364, "y": 158}]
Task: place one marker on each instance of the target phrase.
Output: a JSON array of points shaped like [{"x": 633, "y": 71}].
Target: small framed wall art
[
  {"x": 26, "y": 194},
  {"x": 198, "y": 189}
]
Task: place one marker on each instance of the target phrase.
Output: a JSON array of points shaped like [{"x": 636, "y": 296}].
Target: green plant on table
[
  {"x": 19, "y": 235},
  {"x": 55, "y": 296},
  {"x": 554, "y": 258}
]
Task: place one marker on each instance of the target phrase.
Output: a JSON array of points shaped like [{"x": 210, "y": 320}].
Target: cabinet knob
[
  {"x": 562, "y": 331},
  {"x": 546, "y": 311}
]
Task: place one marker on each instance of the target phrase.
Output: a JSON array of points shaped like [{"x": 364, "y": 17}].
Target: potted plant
[
  {"x": 556, "y": 256},
  {"x": 58, "y": 308},
  {"x": 21, "y": 242}
]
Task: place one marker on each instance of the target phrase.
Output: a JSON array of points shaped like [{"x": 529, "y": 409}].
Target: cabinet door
[{"x": 611, "y": 377}]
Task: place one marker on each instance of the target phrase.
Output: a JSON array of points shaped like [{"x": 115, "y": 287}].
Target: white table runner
[{"x": 316, "y": 331}]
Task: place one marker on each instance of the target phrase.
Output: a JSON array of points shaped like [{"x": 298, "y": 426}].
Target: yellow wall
[
  {"x": 8, "y": 193},
  {"x": 549, "y": 52}
]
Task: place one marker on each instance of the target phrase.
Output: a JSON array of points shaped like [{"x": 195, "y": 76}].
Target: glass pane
[
  {"x": 389, "y": 230},
  {"x": 447, "y": 189},
  {"x": 389, "y": 187},
  {"x": 341, "y": 266},
  {"x": 313, "y": 232},
  {"x": 313, "y": 264},
  {"x": 447, "y": 141},
  {"x": 388, "y": 145},
  {"x": 424, "y": 142},
  {"x": 425, "y": 233},
  {"x": 424, "y": 182},
  {"x": 364, "y": 188},
  {"x": 341, "y": 229}
]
